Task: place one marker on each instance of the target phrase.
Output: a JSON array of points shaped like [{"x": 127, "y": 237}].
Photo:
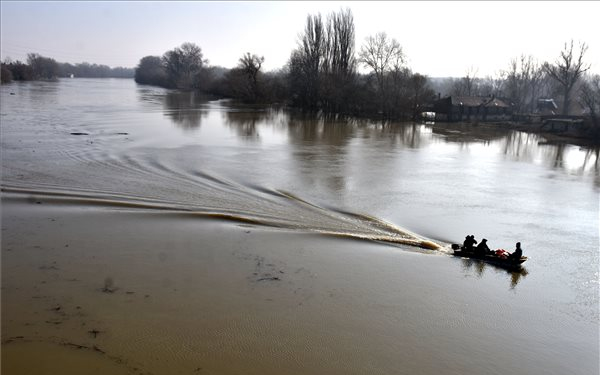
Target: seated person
[
  {"x": 482, "y": 248},
  {"x": 517, "y": 254},
  {"x": 469, "y": 242}
]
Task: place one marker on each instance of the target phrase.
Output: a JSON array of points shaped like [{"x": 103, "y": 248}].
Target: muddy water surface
[{"x": 161, "y": 233}]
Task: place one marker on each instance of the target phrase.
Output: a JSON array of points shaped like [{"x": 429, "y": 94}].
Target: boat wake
[
  {"x": 265, "y": 207},
  {"x": 94, "y": 176}
]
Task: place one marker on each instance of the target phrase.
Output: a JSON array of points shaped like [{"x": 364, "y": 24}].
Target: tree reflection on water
[
  {"x": 478, "y": 267},
  {"x": 336, "y": 133},
  {"x": 246, "y": 120},
  {"x": 185, "y": 108}
]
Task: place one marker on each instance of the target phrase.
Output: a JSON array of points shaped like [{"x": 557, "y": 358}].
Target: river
[{"x": 407, "y": 190}]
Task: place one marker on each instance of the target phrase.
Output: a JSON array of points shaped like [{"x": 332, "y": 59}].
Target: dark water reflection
[
  {"x": 185, "y": 109},
  {"x": 320, "y": 130},
  {"x": 479, "y": 268},
  {"x": 246, "y": 121},
  {"x": 302, "y": 129}
]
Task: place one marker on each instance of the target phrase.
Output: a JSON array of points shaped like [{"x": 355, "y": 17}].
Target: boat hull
[{"x": 492, "y": 259}]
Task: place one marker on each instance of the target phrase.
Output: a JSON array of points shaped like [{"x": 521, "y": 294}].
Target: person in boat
[
  {"x": 517, "y": 254},
  {"x": 482, "y": 248},
  {"x": 469, "y": 242}
]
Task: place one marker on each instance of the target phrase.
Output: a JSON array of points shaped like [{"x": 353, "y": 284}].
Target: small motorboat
[{"x": 498, "y": 258}]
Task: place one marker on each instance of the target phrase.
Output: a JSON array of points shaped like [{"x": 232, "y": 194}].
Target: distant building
[
  {"x": 472, "y": 108},
  {"x": 546, "y": 107}
]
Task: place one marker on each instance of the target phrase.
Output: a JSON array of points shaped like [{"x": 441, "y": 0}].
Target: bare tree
[
  {"x": 306, "y": 62},
  {"x": 151, "y": 71},
  {"x": 492, "y": 85},
  {"x": 42, "y": 67},
  {"x": 590, "y": 97},
  {"x": 339, "y": 43},
  {"x": 536, "y": 82},
  {"x": 467, "y": 85},
  {"x": 250, "y": 65},
  {"x": 339, "y": 63},
  {"x": 517, "y": 79},
  {"x": 567, "y": 70},
  {"x": 322, "y": 69},
  {"x": 183, "y": 64},
  {"x": 382, "y": 55},
  {"x": 420, "y": 93},
  {"x": 523, "y": 83}
]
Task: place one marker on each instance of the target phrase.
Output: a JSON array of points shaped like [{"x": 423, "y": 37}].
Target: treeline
[
  {"x": 526, "y": 80},
  {"x": 321, "y": 75},
  {"x": 39, "y": 67}
]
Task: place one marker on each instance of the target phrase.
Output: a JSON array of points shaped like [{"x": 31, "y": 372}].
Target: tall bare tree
[
  {"x": 339, "y": 65},
  {"x": 523, "y": 83},
  {"x": 536, "y": 82},
  {"x": 306, "y": 62},
  {"x": 382, "y": 55},
  {"x": 567, "y": 70},
  {"x": 339, "y": 43}
]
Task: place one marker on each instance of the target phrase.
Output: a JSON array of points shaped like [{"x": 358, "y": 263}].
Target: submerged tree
[
  {"x": 244, "y": 81},
  {"x": 151, "y": 71},
  {"x": 6, "y": 75},
  {"x": 338, "y": 69},
  {"x": 183, "y": 65},
  {"x": 306, "y": 63},
  {"x": 322, "y": 69},
  {"x": 382, "y": 55},
  {"x": 385, "y": 58},
  {"x": 42, "y": 67},
  {"x": 567, "y": 70},
  {"x": 250, "y": 65}
]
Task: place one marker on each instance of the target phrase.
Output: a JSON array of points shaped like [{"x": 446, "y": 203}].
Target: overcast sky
[{"x": 439, "y": 38}]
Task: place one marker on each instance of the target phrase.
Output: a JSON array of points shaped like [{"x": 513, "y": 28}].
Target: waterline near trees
[
  {"x": 326, "y": 73},
  {"x": 321, "y": 74}
]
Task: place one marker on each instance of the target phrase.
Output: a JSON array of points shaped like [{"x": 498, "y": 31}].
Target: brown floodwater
[{"x": 150, "y": 231}]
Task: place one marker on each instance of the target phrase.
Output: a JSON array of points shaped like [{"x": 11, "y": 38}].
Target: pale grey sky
[{"x": 439, "y": 38}]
